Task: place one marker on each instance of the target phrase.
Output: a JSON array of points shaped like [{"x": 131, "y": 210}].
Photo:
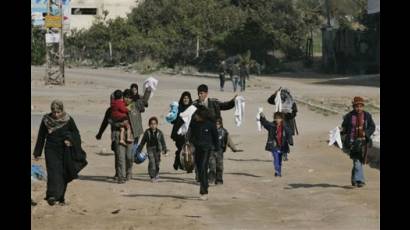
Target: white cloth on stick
[
  {"x": 152, "y": 84},
  {"x": 239, "y": 110},
  {"x": 258, "y": 118},
  {"x": 186, "y": 117},
  {"x": 278, "y": 102},
  {"x": 334, "y": 136}
]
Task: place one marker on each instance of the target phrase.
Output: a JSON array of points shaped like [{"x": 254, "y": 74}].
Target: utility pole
[
  {"x": 328, "y": 12},
  {"x": 61, "y": 45},
  {"x": 54, "y": 74}
]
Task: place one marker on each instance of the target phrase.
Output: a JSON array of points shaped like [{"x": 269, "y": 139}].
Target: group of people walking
[
  {"x": 65, "y": 157},
  {"x": 238, "y": 72}
]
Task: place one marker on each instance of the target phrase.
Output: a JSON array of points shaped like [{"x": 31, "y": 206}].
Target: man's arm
[
  {"x": 226, "y": 105},
  {"x": 146, "y": 96},
  {"x": 104, "y": 123},
  {"x": 345, "y": 123},
  {"x": 289, "y": 135},
  {"x": 271, "y": 99}
]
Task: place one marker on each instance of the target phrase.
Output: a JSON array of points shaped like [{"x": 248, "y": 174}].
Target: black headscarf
[
  {"x": 183, "y": 107},
  {"x": 137, "y": 96}
]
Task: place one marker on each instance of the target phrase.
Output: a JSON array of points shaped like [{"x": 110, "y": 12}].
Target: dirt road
[{"x": 314, "y": 192}]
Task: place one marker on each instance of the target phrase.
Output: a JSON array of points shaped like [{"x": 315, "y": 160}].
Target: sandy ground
[{"x": 314, "y": 192}]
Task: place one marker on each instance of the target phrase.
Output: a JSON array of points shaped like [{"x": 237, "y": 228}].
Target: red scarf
[
  {"x": 357, "y": 126},
  {"x": 279, "y": 133}
]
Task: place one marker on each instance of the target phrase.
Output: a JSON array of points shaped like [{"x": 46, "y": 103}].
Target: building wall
[
  {"x": 116, "y": 8},
  {"x": 373, "y": 6}
]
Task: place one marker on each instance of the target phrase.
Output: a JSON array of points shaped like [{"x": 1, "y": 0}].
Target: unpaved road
[{"x": 314, "y": 192}]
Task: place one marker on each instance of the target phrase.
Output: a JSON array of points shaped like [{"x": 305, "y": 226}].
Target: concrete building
[{"x": 83, "y": 12}]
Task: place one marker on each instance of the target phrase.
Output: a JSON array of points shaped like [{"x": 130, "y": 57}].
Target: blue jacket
[{"x": 272, "y": 141}]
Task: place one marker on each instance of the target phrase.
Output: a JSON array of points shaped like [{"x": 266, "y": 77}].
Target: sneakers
[
  {"x": 278, "y": 175},
  {"x": 121, "y": 181},
  {"x": 154, "y": 180},
  {"x": 203, "y": 197},
  {"x": 157, "y": 177}
]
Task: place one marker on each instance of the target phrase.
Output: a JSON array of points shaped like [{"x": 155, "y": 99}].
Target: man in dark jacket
[
  {"x": 357, "y": 128},
  {"x": 123, "y": 154},
  {"x": 204, "y": 136},
  {"x": 215, "y": 106}
]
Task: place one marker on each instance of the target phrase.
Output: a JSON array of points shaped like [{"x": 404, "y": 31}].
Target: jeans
[
  {"x": 277, "y": 161},
  {"x": 216, "y": 167},
  {"x": 154, "y": 157},
  {"x": 357, "y": 171}
]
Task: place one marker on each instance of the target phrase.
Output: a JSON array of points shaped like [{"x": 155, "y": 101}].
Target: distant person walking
[
  {"x": 357, "y": 128},
  {"x": 222, "y": 72},
  {"x": 235, "y": 76}
]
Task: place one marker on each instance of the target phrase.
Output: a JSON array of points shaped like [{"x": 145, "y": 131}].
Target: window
[{"x": 84, "y": 11}]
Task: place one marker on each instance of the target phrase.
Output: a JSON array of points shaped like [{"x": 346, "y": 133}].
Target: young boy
[
  {"x": 357, "y": 128},
  {"x": 119, "y": 113},
  {"x": 279, "y": 139},
  {"x": 154, "y": 138},
  {"x": 216, "y": 165}
]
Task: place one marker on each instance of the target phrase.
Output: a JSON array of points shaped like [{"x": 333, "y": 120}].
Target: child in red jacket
[{"x": 119, "y": 113}]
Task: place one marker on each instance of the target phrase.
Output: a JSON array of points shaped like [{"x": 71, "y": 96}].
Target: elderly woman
[{"x": 63, "y": 153}]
